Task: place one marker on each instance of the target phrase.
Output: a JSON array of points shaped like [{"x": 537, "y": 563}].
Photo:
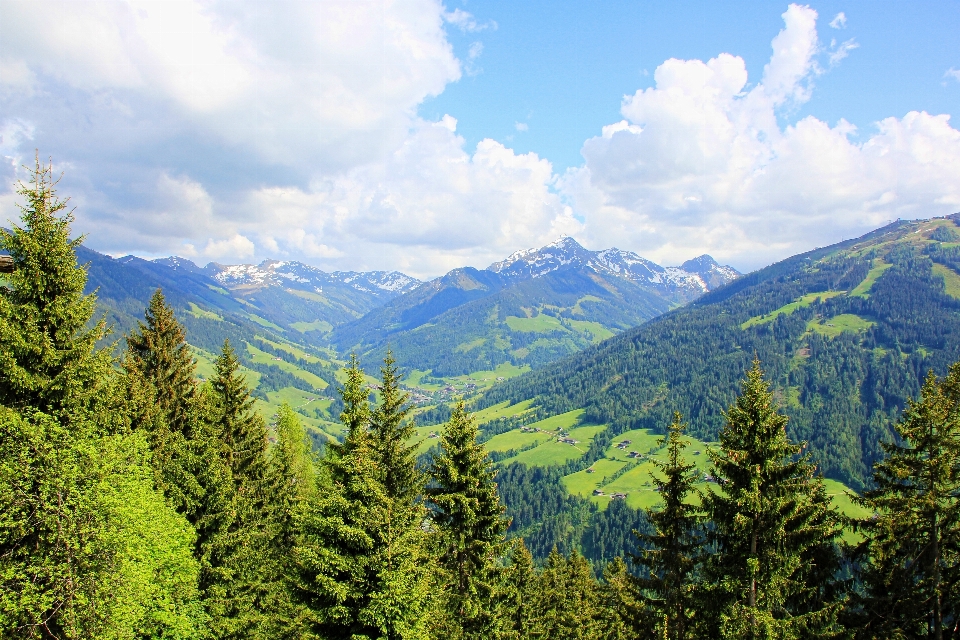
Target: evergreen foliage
[
  {"x": 766, "y": 527},
  {"x": 469, "y": 518},
  {"x": 911, "y": 566},
  {"x": 673, "y": 553}
]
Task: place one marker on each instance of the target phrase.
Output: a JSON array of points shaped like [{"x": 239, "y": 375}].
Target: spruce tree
[
  {"x": 467, "y": 513},
  {"x": 291, "y": 483},
  {"x": 235, "y": 554},
  {"x": 88, "y": 547},
  {"x": 158, "y": 355},
  {"x": 911, "y": 554},
  {"x": 570, "y": 600},
  {"x": 767, "y": 525},
  {"x": 48, "y": 356},
  {"x": 519, "y": 594},
  {"x": 363, "y": 564},
  {"x": 672, "y": 554},
  {"x": 391, "y": 431}
]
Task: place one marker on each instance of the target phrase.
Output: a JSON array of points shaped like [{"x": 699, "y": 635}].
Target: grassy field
[
  {"x": 317, "y": 325},
  {"x": 502, "y": 410},
  {"x": 950, "y": 278},
  {"x": 515, "y": 439},
  {"x": 862, "y": 290},
  {"x": 197, "y": 312},
  {"x": 832, "y": 327},
  {"x": 538, "y": 324},
  {"x": 583, "y": 483},
  {"x": 295, "y": 351},
  {"x": 802, "y": 301},
  {"x": 262, "y": 357},
  {"x": 600, "y": 332}
]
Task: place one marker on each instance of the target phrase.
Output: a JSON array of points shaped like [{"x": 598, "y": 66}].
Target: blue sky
[
  {"x": 561, "y": 67},
  {"x": 413, "y": 135}
]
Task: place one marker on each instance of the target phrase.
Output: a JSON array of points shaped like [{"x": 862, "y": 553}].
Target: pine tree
[
  {"x": 467, "y": 513},
  {"x": 235, "y": 577},
  {"x": 291, "y": 483},
  {"x": 767, "y": 525},
  {"x": 672, "y": 554},
  {"x": 569, "y": 605},
  {"x": 48, "y": 356},
  {"x": 912, "y": 546},
  {"x": 88, "y": 547},
  {"x": 518, "y": 595},
  {"x": 390, "y": 432},
  {"x": 364, "y": 571},
  {"x": 158, "y": 355}
]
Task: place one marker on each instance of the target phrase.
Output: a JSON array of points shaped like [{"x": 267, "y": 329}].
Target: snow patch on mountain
[{"x": 701, "y": 274}]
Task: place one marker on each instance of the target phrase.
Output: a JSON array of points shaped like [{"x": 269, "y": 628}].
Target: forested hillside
[
  {"x": 528, "y": 310},
  {"x": 139, "y": 501},
  {"x": 846, "y": 334}
]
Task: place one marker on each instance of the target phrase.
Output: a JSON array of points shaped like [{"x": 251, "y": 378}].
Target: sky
[{"x": 421, "y": 136}]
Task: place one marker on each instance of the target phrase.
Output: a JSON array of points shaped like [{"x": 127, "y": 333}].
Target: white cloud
[
  {"x": 952, "y": 73},
  {"x": 700, "y": 164},
  {"x": 521, "y": 126},
  {"x": 236, "y": 247},
  {"x": 841, "y": 51},
  {"x": 839, "y": 21},
  {"x": 465, "y": 21}
]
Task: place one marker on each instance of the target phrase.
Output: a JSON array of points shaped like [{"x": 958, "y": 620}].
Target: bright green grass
[
  {"x": 515, "y": 439},
  {"x": 539, "y": 324},
  {"x": 862, "y": 290},
  {"x": 309, "y": 295},
  {"x": 600, "y": 332},
  {"x": 468, "y": 346},
  {"x": 197, "y": 312},
  {"x": 502, "y": 410},
  {"x": 262, "y": 357},
  {"x": 582, "y": 483},
  {"x": 555, "y": 452},
  {"x": 422, "y": 438},
  {"x": 263, "y": 322},
  {"x": 563, "y": 421},
  {"x": 832, "y": 327},
  {"x": 637, "y": 483},
  {"x": 207, "y": 370},
  {"x": 316, "y": 325},
  {"x": 840, "y": 495},
  {"x": 950, "y": 279},
  {"x": 219, "y": 290},
  {"x": 294, "y": 351},
  {"x": 578, "y": 309},
  {"x": 787, "y": 309},
  {"x": 642, "y": 440}
]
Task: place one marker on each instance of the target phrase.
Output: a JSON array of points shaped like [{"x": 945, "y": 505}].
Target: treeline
[{"x": 137, "y": 503}]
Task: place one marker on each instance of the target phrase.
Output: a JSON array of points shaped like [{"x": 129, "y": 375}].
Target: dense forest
[
  {"x": 846, "y": 334},
  {"x": 139, "y": 502}
]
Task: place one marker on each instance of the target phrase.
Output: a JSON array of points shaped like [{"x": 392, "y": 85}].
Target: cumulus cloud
[
  {"x": 841, "y": 51},
  {"x": 839, "y": 21},
  {"x": 700, "y": 163},
  {"x": 952, "y": 73}
]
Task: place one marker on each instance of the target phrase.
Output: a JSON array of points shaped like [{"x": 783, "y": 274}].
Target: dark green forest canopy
[{"x": 843, "y": 363}]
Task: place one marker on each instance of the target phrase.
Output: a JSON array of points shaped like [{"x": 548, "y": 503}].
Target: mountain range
[
  {"x": 845, "y": 333},
  {"x": 545, "y": 303}
]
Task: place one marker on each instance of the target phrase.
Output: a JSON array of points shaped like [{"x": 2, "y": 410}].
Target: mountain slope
[
  {"x": 846, "y": 333},
  {"x": 527, "y": 310}
]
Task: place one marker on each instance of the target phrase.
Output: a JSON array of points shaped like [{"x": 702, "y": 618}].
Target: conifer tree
[
  {"x": 911, "y": 552},
  {"x": 569, "y": 602},
  {"x": 88, "y": 547},
  {"x": 621, "y": 603},
  {"x": 390, "y": 432},
  {"x": 467, "y": 513},
  {"x": 235, "y": 555},
  {"x": 672, "y": 554},
  {"x": 48, "y": 356},
  {"x": 158, "y": 355},
  {"x": 766, "y": 526},
  {"x": 519, "y": 595},
  {"x": 364, "y": 570},
  {"x": 291, "y": 483}
]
